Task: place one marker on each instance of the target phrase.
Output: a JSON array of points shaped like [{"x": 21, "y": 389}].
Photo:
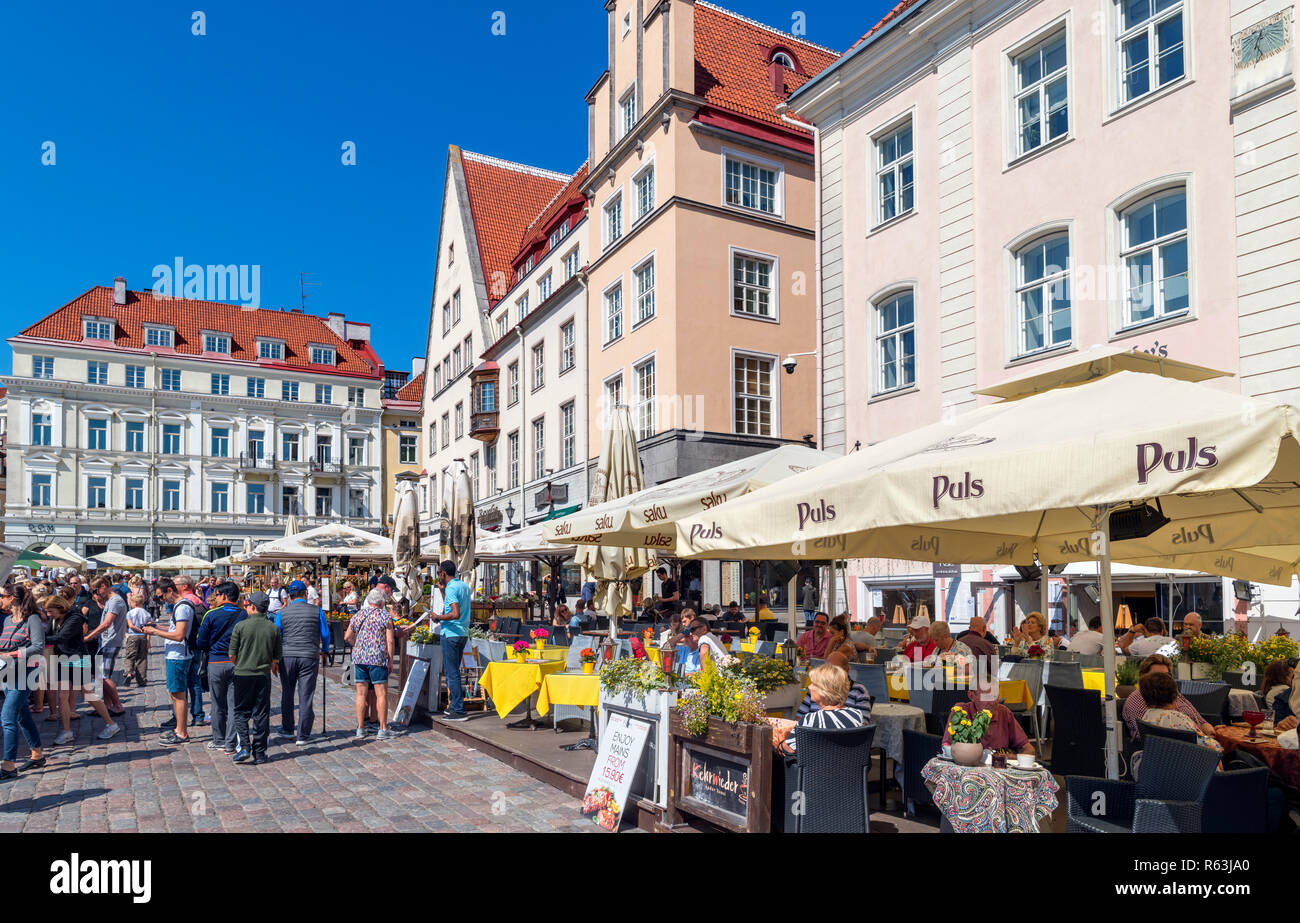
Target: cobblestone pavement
[{"x": 422, "y": 781}]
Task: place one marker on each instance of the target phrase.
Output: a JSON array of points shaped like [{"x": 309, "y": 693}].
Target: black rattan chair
[
  {"x": 1079, "y": 741},
  {"x": 832, "y": 771},
  {"x": 1212, "y": 703},
  {"x": 871, "y": 676},
  {"x": 1147, "y": 729},
  {"x": 918, "y": 749},
  {"x": 941, "y": 705},
  {"x": 1236, "y": 802},
  {"x": 1167, "y": 797}
]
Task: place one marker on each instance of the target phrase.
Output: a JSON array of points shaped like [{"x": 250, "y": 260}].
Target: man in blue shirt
[{"x": 455, "y": 635}]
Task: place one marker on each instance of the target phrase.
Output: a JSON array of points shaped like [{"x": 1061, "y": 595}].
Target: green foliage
[
  {"x": 767, "y": 673},
  {"x": 965, "y": 729},
  {"x": 720, "y": 693},
  {"x": 1126, "y": 672},
  {"x": 634, "y": 677}
]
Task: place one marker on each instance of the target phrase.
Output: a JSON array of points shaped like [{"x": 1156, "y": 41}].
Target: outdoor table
[
  {"x": 1010, "y": 691},
  {"x": 981, "y": 799},
  {"x": 654, "y": 654},
  {"x": 1095, "y": 680},
  {"x": 891, "y": 720},
  {"x": 747, "y": 647},
  {"x": 550, "y": 652},
  {"x": 581, "y": 690},
  {"x": 1241, "y": 701},
  {"x": 1284, "y": 763},
  {"x": 509, "y": 682}
]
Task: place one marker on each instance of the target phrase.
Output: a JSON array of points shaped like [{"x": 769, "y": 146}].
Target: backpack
[{"x": 192, "y": 635}]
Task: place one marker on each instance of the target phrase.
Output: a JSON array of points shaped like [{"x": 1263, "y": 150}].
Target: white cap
[{"x": 919, "y": 621}]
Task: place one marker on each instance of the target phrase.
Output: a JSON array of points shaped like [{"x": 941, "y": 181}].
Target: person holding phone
[{"x": 454, "y": 620}]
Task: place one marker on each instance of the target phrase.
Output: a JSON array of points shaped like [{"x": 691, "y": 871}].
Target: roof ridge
[
  {"x": 567, "y": 183},
  {"x": 513, "y": 166},
  {"x": 761, "y": 25}
]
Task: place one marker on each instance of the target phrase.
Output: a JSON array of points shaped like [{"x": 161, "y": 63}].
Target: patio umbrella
[
  {"x": 648, "y": 517},
  {"x": 291, "y": 525},
  {"x": 614, "y": 567},
  {"x": 114, "y": 559},
  {"x": 334, "y": 539},
  {"x": 181, "y": 562},
  {"x": 34, "y": 559},
  {"x": 460, "y": 530},
  {"x": 406, "y": 544},
  {"x": 1131, "y": 466},
  {"x": 54, "y": 550}
]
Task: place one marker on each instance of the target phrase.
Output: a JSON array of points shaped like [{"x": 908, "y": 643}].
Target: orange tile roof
[
  {"x": 731, "y": 63},
  {"x": 893, "y": 14},
  {"x": 538, "y": 225},
  {"x": 189, "y": 317},
  {"x": 504, "y": 198},
  {"x": 413, "y": 390}
]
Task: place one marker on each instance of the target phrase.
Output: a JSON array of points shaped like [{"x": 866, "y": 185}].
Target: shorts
[
  {"x": 372, "y": 676},
  {"x": 107, "y": 661},
  {"x": 70, "y": 671},
  {"x": 178, "y": 675}
]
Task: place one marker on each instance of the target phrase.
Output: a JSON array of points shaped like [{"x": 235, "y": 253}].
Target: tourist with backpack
[
  {"x": 198, "y": 676},
  {"x": 213, "y": 645},
  {"x": 177, "y": 654}
]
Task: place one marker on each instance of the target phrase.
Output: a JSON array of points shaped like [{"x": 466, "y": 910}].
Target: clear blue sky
[{"x": 226, "y": 147}]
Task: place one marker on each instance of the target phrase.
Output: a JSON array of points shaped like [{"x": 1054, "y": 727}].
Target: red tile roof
[
  {"x": 413, "y": 390},
  {"x": 893, "y": 14},
  {"x": 190, "y": 316},
  {"x": 504, "y": 198},
  {"x": 537, "y": 228},
  {"x": 731, "y": 63}
]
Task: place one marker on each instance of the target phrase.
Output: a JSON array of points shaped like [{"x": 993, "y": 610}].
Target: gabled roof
[
  {"x": 413, "y": 390},
  {"x": 732, "y": 63},
  {"x": 504, "y": 198},
  {"x": 189, "y": 317},
  {"x": 537, "y": 227}
]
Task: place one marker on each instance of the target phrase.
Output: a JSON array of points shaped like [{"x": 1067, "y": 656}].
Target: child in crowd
[{"x": 135, "y": 649}]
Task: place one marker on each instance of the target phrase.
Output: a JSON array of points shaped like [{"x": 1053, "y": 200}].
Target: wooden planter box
[
  {"x": 723, "y": 776},
  {"x": 785, "y": 697}
]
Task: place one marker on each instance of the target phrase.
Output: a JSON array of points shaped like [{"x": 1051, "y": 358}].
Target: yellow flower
[
  {"x": 987, "y": 712},
  {"x": 965, "y": 721}
]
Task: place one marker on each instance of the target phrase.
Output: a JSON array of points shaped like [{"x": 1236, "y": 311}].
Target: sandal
[{"x": 52, "y": 718}]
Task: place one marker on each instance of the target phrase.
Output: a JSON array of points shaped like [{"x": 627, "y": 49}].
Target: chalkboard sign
[{"x": 717, "y": 780}]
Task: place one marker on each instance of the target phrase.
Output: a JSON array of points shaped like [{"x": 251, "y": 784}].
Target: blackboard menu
[{"x": 717, "y": 780}]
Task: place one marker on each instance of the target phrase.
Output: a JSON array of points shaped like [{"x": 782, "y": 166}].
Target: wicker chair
[
  {"x": 1211, "y": 702},
  {"x": 872, "y": 676},
  {"x": 1079, "y": 741},
  {"x": 1236, "y": 802},
  {"x": 918, "y": 749},
  {"x": 1167, "y": 797},
  {"x": 941, "y": 705},
  {"x": 1031, "y": 671},
  {"x": 1146, "y": 729},
  {"x": 823, "y": 787}
]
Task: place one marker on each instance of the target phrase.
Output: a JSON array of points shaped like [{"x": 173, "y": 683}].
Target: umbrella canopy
[
  {"x": 406, "y": 543},
  {"x": 181, "y": 562},
  {"x": 34, "y": 559},
  {"x": 648, "y": 517},
  {"x": 8, "y": 558},
  {"x": 291, "y": 525},
  {"x": 617, "y": 475},
  {"x": 54, "y": 550},
  {"x": 460, "y": 531},
  {"x": 114, "y": 559},
  {"x": 331, "y": 540},
  {"x": 1098, "y": 362},
  {"x": 527, "y": 544}
]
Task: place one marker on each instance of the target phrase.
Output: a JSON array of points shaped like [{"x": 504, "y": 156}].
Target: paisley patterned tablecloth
[{"x": 980, "y": 799}]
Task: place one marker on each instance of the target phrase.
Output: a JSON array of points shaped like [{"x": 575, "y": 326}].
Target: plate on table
[{"x": 1012, "y": 764}]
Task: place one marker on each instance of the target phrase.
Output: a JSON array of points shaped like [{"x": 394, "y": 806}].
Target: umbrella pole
[{"x": 1102, "y": 533}]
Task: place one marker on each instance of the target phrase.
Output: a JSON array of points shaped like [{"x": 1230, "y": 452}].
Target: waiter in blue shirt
[{"x": 455, "y": 634}]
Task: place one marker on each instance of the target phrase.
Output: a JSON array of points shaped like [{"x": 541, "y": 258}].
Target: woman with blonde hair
[
  {"x": 829, "y": 687},
  {"x": 1032, "y": 632}
]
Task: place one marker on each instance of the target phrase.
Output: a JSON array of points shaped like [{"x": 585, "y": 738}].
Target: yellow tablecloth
[
  {"x": 898, "y": 687},
  {"x": 568, "y": 689},
  {"x": 1096, "y": 680},
  {"x": 1010, "y": 691},
  {"x": 748, "y": 648},
  {"x": 509, "y": 682},
  {"x": 654, "y": 654}
]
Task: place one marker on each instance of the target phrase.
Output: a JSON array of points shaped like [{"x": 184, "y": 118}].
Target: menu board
[
  {"x": 621, "y": 746},
  {"x": 411, "y": 692},
  {"x": 717, "y": 780}
]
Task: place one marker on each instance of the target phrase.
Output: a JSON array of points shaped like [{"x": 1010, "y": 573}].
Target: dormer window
[
  {"x": 160, "y": 336},
  {"x": 322, "y": 355},
  {"x": 216, "y": 343},
  {"x": 270, "y": 349},
  {"x": 784, "y": 60},
  {"x": 98, "y": 329}
]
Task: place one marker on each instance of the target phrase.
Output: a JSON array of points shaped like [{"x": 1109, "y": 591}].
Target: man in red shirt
[
  {"x": 814, "y": 643},
  {"x": 921, "y": 646},
  {"x": 1004, "y": 732}
]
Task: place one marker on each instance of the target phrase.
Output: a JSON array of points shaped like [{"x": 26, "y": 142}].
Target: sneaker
[
  {"x": 286, "y": 735},
  {"x": 230, "y": 749},
  {"x": 454, "y": 716},
  {"x": 117, "y": 712},
  {"x": 110, "y": 731},
  {"x": 169, "y": 723},
  {"x": 170, "y": 737},
  {"x": 215, "y": 745},
  {"x": 63, "y": 737},
  {"x": 360, "y": 734},
  {"x": 200, "y": 721},
  {"x": 372, "y": 725},
  {"x": 302, "y": 741},
  {"x": 385, "y": 734},
  {"x": 259, "y": 760},
  {"x": 243, "y": 756}
]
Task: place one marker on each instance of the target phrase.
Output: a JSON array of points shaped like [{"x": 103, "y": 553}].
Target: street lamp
[{"x": 510, "y": 513}]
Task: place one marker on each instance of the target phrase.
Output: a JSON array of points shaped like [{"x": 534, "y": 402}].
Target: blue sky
[{"x": 226, "y": 148}]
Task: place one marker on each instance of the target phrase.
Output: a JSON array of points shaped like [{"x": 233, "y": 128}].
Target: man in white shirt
[
  {"x": 276, "y": 598},
  {"x": 1090, "y": 641},
  {"x": 313, "y": 595},
  {"x": 1155, "y": 639}
]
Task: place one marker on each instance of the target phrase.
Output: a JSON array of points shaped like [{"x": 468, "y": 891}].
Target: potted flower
[
  {"x": 1035, "y": 652},
  {"x": 588, "y": 660},
  {"x": 1126, "y": 678},
  {"x": 966, "y": 732},
  {"x": 718, "y": 697},
  {"x": 423, "y": 643},
  {"x": 539, "y": 636},
  {"x": 773, "y": 678},
  {"x": 521, "y": 650}
]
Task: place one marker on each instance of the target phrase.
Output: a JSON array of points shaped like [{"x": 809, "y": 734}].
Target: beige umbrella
[
  {"x": 181, "y": 562},
  {"x": 114, "y": 559},
  {"x": 54, "y": 550},
  {"x": 648, "y": 517},
  {"x": 8, "y": 555},
  {"x": 1097, "y": 362},
  {"x": 614, "y": 567},
  {"x": 459, "y": 531},
  {"x": 334, "y": 539},
  {"x": 406, "y": 545}
]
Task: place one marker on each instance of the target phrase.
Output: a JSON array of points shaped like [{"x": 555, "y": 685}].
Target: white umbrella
[
  {"x": 291, "y": 525},
  {"x": 8, "y": 555},
  {"x": 460, "y": 527},
  {"x": 54, "y": 550},
  {"x": 331, "y": 540},
  {"x": 406, "y": 544},
  {"x": 181, "y": 562},
  {"x": 114, "y": 559},
  {"x": 614, "y": 567},
  {"x": 528, "y": 544}
]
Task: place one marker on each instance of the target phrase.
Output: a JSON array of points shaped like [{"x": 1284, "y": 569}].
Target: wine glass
[{"x": 1254, "y": 719}]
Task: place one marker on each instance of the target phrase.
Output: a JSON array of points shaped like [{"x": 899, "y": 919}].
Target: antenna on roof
[{"x": 302, "y": 289}]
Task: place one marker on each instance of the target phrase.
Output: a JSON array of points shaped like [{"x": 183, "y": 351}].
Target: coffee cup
[{"x": 1025, "y": 760}]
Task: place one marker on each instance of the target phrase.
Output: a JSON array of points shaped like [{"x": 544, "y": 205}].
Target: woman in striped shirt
[{"x": 829, "y": 687}]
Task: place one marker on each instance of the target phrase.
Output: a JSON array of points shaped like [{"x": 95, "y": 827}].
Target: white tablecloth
[
  {"x": 1241, "y": 701},
  {"x": 891, "y": 719}
]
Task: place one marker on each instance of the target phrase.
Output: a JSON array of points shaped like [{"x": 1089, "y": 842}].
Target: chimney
[
  {"x": 335, "y": 322},
  {"x": 417, "y": 366},
  {"x": 119, "y": 290}
]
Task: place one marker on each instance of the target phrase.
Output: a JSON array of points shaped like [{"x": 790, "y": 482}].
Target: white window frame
[
  {"x": 878, "y": 335},
  {"x": 268, "y": 348},
  {"x": 212, "y": 441},
  {"x": 460, "y": 419},
  {"x": 607, "y": 406},
  {"x": 37, "y": 500},
  {"x": 163, "y": 490},
  {"x": 213, "y": 342},
  {"x": 97, "y": 325},
  {"x": 221, "y": 489},
  {"x": 512, "y": 459},
  {"x": 128, "y": 432},
  {"x": 778, "y": 192},
  {"x": 255, "y": 387},
  {"x": 774, "y": 373},
  {"x": 614, "y": 197},
  {"x": 639, "y": 316},
  {"x": 43, "y": 366},
  {"x": 1059, "y": 28},
  {"x": 626, "y": 125},
  {"x": 92, "y": 487},
  {"x": 455, "y": 307},
  {"x": 220, "y": 384},
  {"x": 324, "y": 394},
  {"x": 639, "y": 409},
  {"x": 568, "y": 434},
  {"x": 538, "y": 430},
  {"x": 446, "y": 429},
  {"x": 538, "y": 354},
  {"x": 135, "y": 376},
  {"x": 289, "y": 391},
  {"x": 179, "y": 434},
  {"x": 324, "y": 353},
  {"x": 607, "y": 318},
  {"x": 545, "y": 285},
  {"x": 877, "y": 169},
  {"x": 641, "y": 210},
  {"x": 521, "y": 303},
  {"x": 96, "y": 372},
  {"x": 133, "y": 489},
  {"x": 1019, "y": 287},
  {"x": 107, "y": 431},
  {"x": 252, "y": 490},
  {"x": 1143, "y": 195},
  {"x": 1116, "y": 56},
  {"x": 166, "y": 336},
  {"x": 47, "y": 427},
  {"x": 411, "y": 441},
  {"x": 512, "y": 383},
  {"x": 503, "y": 325},
  {"x": 446, "y": 316},
  {"x": 572, "y": 262},
  {"x": 172, "y": 375},
  {"x": 775, "y": 278},
  {"x": 569, "y": 349}
]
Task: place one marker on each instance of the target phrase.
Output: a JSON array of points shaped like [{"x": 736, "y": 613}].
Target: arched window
[
  {"x": 1043, "y": 294},
  {"x": 1153, "y": 246},
  {"x": 783, "y": 59}
]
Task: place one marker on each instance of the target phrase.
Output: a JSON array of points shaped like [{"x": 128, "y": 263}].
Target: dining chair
[
  {"x": 1166, "y": 798},
  {"x": 1079, "y": 734},
  {"x": 1031, "y": 671},
  {"x": 872, "y": 676}
]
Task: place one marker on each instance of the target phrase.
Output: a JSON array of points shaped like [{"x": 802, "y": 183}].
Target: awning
[{"x": 563, "y": 511}]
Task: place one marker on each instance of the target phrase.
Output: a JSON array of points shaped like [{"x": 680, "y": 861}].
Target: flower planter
[
  {"x": 1195, "y": 670},
  {"x": 588, "y": 668},
  {"x": 782, "y": 697},
  {"x": 423, "y": 651},
  {"x": 967, "y": 754}
]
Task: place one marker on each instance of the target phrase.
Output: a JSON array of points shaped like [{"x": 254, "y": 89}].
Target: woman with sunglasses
[{"x": 21, "y": 638}]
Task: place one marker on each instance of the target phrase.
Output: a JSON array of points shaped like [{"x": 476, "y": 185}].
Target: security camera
[{"x": 789, "y": 364}]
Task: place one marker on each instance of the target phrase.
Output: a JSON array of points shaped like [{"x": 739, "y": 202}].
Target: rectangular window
[
  {"x": 135, "y": 436},
  {"x": 437, "y": 378},
  {"x": 42, "y": 367},
  {"x": 324, "y": 501},
  {"x": 512, "y": 384},
  {"x": 446, "y": 430},
  {"x": 645, "y": 193},
  {"x": 614, "y": 220},
  {"x": 1043, "y": 294},
  {"x": 220, "y": 498},
  {"x": 220, "y": 383},
  {"x": 544, "y": 288},
  {"x": 1151, "y": 50},
  {"x": 446, "y": 370},
  {"x": 257, "y": 387},
  {"x": 324, "y": 449},
  {"x": 220, "y": 442},
  {"x": 467, "y": 349},
  {"x": 356, "y": 451},
  {"x": 490, "y": 462},
  {"x": 446, "y": 318},
  {"x": 289, "y": 505},
  {"x": 567, "y": 347},
  {"x": 356, "y": 397},
  {"x": 513, "y": 442},
  {"x": 135, "y": 376},
  {"x": 752, "y": 185},
  {"x": 567, "y": 436},
  {"x": 255, "y": 498},
  {"x": 460, "y": 419},
  {"x": 1154, "y": 234},
  {"x": 1042, "y": 94},
  {"x": 216, "y": 343},
  {"x": 752, "y": 291},
  {"x": 324, "y": 394},
  {"x": 522, "y": 304},
  {"x": 171, "y": 439},
  {"x": 644, "y": 277},
  {"x": 486, "y": 396},
  {"x": 158, "y": 336},
  {"x": 96, "y": 493},
  {"x": 42, "y": 429},
  {"x": 473, "y": 474},
  {"x": 572, "y": 263},
  {"x": 97, "y": 434},
  {"x": 171, "y": 496},
  {"x": 613, "y": 393},
  {"x": 322, "y": 355},
  {"x": 171, "y": 379},
  {"x": 455, "y": 307},
  {"x": 256, "y": 444},
  {"x": 42, "y": 485},
  {"x": 289, "y": 447},
  {"x": 288, "y": 390},
  {"x": 433, "y": 436},
  {"x": 894, "y": 177},
  {"x": 357, "y": 502},
  {"x": 503, "y": 325},
  {"x": 270, "y": 349},
  {"x": 753, "y": 395},
  {"x": 408, "y": 448},
  {"x": 539, "y": 448},
  {"x": 627, "y": 112},
  {"x": 99, "y": 330},
  {"x": 135, "y": 493},
  {"x": 539, "y": 366},
  {"x": 455, "y": 361},
  {"x": 613, "y": 314},
  {"x": 96, "y": 373},
  {"x": 644, "y": 415},
  {"x": 895, "y": 343}
]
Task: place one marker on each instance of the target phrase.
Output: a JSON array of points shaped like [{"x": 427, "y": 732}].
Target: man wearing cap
[
  {"x": 305, "y": 635},
  {"x": 814, "y": 642},
  {"x": 921, "y": 647}
]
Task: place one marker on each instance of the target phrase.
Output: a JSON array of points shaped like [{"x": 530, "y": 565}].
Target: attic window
[
  {"x": 322, "y": 355},
  {"x": 627, "y": 24},
  {"x": 783, "y": 59}
]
